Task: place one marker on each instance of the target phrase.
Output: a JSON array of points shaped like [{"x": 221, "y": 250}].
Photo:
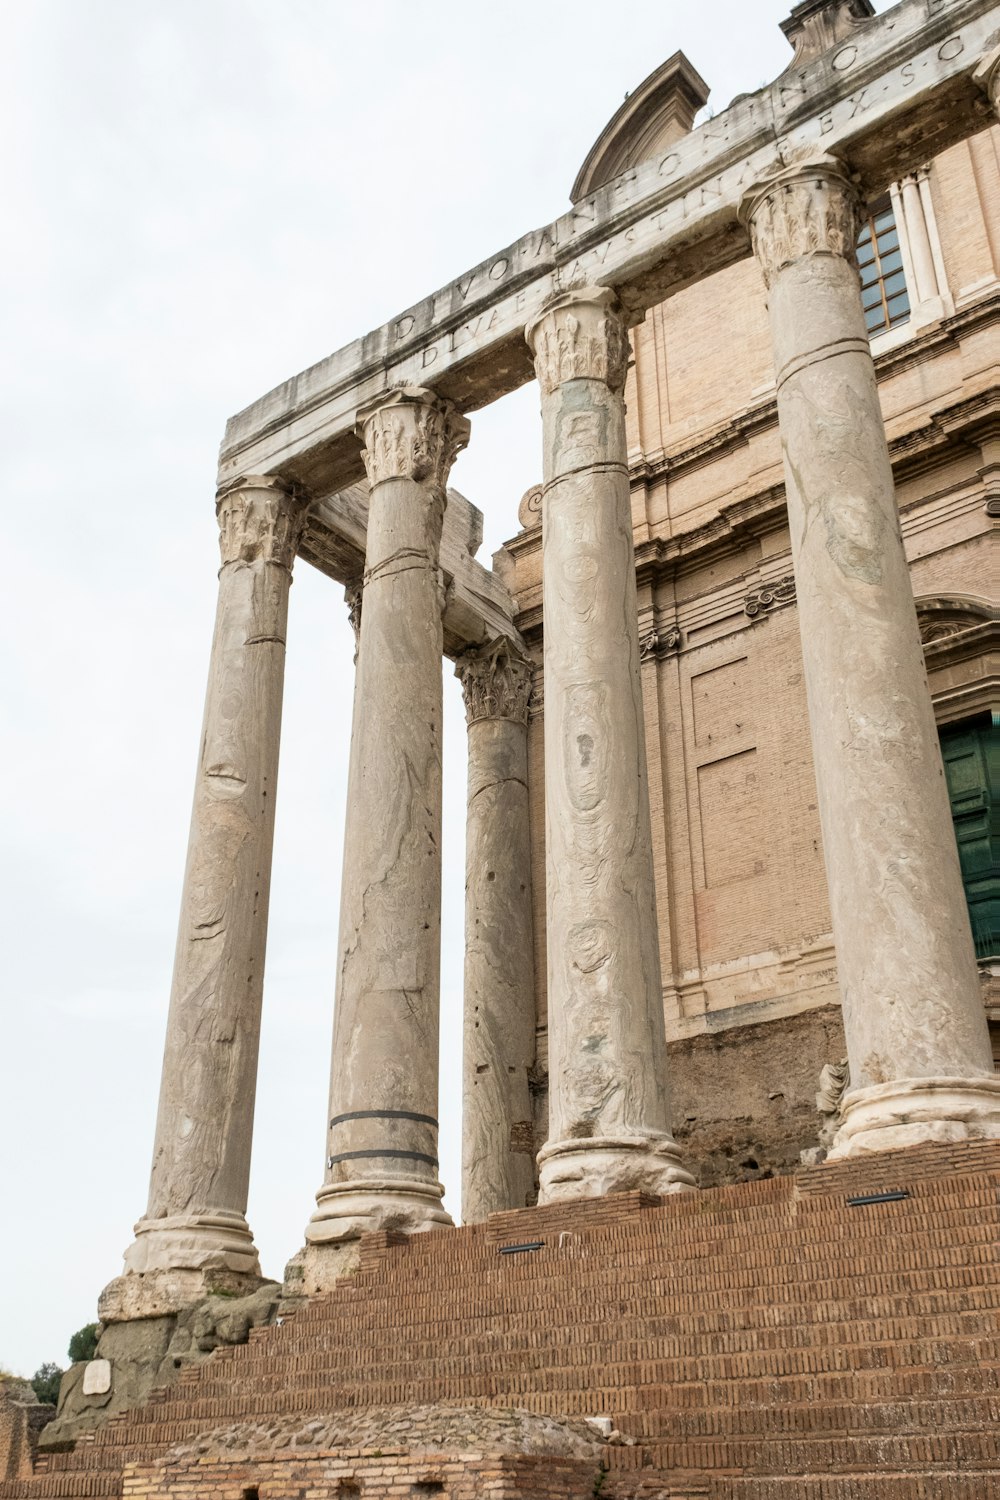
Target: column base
[
  {"x": 593, "y": 1167},
  {"x": 175, "y": 1262},
  {"x": 890, "y": 1116},
  {"x": 348, "y": 1210}
]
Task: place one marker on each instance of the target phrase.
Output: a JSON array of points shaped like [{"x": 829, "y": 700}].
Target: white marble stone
[{"x": 97, "y": 1377}]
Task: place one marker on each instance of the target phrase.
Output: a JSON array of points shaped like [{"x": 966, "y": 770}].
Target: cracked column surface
[
  {"x": 194, "y": 1236},
  {"x": 921, "y": 1066},
  {"x": 382, "y": 1161},
  {"x": 498, "y": 1163},
  {"x": 608, "y": 1111}
]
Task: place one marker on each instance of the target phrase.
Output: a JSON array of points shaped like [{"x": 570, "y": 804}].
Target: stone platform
[{"x": 768, "y": 1341}]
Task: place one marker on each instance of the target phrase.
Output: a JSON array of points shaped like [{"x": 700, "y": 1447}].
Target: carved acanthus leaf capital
[
  {"x": 580, "y": 335},
  {"x": 411, "y": 433},
  {"x": 260, "y": 519},
  {"x": 809, "y": 209},
  {"x": 496, "y": 682}
]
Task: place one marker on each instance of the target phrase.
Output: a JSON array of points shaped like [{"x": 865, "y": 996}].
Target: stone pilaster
[
  {"x": 608, "y": 1111},
  {"x": 920, "y": 1059},
  {"x": 194, "y": 1236},
  {"x": 382, "y": 1152},
  {"x": 498, "y": 1161}
]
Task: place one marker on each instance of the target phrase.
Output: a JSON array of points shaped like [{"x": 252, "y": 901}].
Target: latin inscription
[{"x": 690, "y": 192}]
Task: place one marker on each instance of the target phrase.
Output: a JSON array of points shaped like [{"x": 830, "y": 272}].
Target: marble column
[
  {"x": 382, "y": 1162},
  {"x": 608, "y": 1108},
  {"x": 498, "y": 1159},
  {"x": 915, "y": 228},
  {"x": 194, "y": 1235},
  {"x": 920, "y": 1059}
]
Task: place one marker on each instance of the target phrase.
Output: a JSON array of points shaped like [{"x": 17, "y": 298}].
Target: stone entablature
[{"x": 650, "y": 231}]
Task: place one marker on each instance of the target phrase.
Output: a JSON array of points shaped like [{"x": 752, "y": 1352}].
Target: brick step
[
  {"x": 705, "y": 1227},
  {"x": 782, "y": 1242},
  {"x": 943, "y": 1484},
  {"x": 925, "y": 1382},
  {"x": 529, "y": 1352},
  {"x": 841, "y": 1419},
  {"x": 624, "y": 1301},
  {"x": 809, "y": 1455},
  {"x": 546, "y": 1269},
  {"x": 942, "y": 1312},
  {"x": 759, "y": 1397},
  {"x": 972, "y": 1286},
  {"x": 64, "y": 1486},
  {"x": 558, "y": 1394}
]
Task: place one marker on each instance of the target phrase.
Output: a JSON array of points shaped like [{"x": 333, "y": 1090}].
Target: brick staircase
[{"x": 767, "y": 1341}]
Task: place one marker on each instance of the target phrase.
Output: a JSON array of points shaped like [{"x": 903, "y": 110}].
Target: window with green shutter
[{"x": 971, "y": 754}]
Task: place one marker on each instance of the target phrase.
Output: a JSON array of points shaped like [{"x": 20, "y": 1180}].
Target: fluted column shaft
[
  {"x": 498, "y": 1166},
  {"x": 195, "y": 1222},
  {"x": 916, "y": 1030},
  {"x": 608, "y": 1112},
  {"x": 382, "y": 1162}
]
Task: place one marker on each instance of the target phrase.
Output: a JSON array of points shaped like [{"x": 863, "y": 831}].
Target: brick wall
[{"x": 374, "y": 1475}]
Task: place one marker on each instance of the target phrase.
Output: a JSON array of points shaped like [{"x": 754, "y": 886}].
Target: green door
[{"x": 971, "y": 754}]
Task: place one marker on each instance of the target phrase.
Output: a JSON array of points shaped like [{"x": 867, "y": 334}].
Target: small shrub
[
  {"x": 45, "y": 1383},
  {"x": 83, "y": 1344}
]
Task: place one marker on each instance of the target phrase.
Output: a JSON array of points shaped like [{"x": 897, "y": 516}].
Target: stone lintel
[
  {"x": 900, "y": 90},
  {"x": 477, "y": 605}
]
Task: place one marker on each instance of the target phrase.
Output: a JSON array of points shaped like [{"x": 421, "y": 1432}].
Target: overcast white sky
[{"x": 202, "y": 197}]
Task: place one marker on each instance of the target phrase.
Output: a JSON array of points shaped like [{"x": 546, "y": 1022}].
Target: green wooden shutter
[{"x": 971, "y": 754}]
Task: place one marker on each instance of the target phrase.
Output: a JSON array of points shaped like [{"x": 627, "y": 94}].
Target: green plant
[
  {"x": 83, "y": 1344},
  {"x": 45, "y": 1383}
]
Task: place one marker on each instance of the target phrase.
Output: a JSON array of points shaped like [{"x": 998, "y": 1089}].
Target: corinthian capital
[
  {"x": 411, "y": 433},
  {"x": 496, "y": 682},
  {"x": 260, "y": 519},
  {"x": 580, "y": 335},
  {"x": 812, "y": 208}
]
